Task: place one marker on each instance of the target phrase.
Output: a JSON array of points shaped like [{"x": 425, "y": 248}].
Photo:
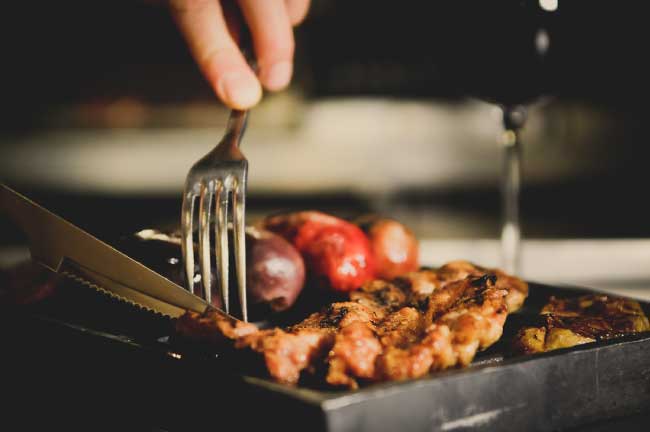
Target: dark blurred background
[{"x": 394, "y": 108}]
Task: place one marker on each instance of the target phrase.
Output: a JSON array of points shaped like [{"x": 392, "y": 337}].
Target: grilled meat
[
  {"x": 401, "y": 328},
  {"x": 517, "y": 289},
  {"x": 212, "y": 326},
  {"x": 388, "y": 330},
  {"x": 353, "y": 355},
  {"x": 286, "y": 355},
  {"x": 589, "y": 318},
  {"x": 460, "y": 318},
  {"x": 336, "y": 316},
  {"x": 434, "y": 351},
  {"x": 380, "y": 296}
]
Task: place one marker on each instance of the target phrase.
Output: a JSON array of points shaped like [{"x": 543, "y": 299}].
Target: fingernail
[
  {"x": 239, "y": 90},
  {"x": 277, "y": 76}
]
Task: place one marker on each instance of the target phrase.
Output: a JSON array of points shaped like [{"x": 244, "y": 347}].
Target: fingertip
[
  {"x": 239, "y": 90},
  {"x": 273, "y": 40},
  {"x": 277, "y": 76},
  {"x": 297, "y": 10}
]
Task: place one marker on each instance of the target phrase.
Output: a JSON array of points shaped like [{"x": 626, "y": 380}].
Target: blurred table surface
[
  {"x": 619, "y": 266},
  {"x": 614, "y": 265}
]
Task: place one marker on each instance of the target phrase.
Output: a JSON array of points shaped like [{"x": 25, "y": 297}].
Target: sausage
[
  {"x": 393, "y": 245},
  {"x": 336, "y": 252},
  {"x": 275, "y": 270}
]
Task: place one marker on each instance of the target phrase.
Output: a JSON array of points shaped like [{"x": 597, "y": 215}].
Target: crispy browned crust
[
  {"x": 380, "y": 296},
  {"x": 286, "y": 355},
  {"x": 336, "y": 316},
  {"x": 212, "y": 326},
  {"x": 388, "y": 330},
  {"x": 517, "y": 289},
  {"x": 584, "y": 319},
  {"x": 460, "y": 318},
  {"x": 353, "y": 355}
]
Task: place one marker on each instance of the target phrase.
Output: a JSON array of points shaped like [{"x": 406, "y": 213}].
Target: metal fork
[{"x": 214, "y": 178}]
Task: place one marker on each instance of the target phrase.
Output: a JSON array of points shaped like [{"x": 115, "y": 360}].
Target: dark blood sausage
[{"x": 275, "y": 272}]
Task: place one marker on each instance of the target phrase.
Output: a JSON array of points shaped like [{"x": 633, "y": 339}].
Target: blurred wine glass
[
  {"x": 514, "y": 118},
  {"x": 506, "y": 65}
]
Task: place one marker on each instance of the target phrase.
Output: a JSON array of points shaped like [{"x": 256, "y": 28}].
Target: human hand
[{"x": 211, "y": 29}]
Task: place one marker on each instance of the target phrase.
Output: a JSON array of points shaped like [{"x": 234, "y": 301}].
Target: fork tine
[
  {"x": 205, "y": 204},
  {"x": 239, "y": 224},
  {"x": 222, "y": 242},
  {"x": 186, "y": 244}
]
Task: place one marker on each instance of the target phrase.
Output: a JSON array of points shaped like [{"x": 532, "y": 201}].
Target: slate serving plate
[{"x": 116, "y": 364}]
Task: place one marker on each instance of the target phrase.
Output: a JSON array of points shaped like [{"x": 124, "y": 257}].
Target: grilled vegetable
[{"x": 575, "y": 321}]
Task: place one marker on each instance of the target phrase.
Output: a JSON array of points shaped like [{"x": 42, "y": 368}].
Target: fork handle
[
  {"x": 237, "y": 125},
  {"x": 239, "y": 118}
]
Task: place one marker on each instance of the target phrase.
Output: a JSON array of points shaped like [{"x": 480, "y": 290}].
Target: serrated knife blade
[{"x": 64, "y": 248}]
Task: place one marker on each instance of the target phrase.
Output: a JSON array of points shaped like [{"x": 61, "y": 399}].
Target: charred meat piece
[
  {"x": 322, "y": 332},
  {"x": 212, "y": 326},
  {"x": 337, "y": 316},
  {"x": 353, "y": 355},
  {"x": 517, "y": 289},
  {"x": 419, "y": 358},
  {"x": 458, "y": 319},
  {"x": 285, "y": 354},
  {"x": 589, "y": 318},
  {"x": 380, "y": 296},
  {"x": 401, "y": 328},
  {"x": 420, "y": 284},
  {"x": 476, "y": 316},
  {"x": 388, "y": 330},
  {"x": 461, "y": 318},
  {"x": 359, "y": 348}
]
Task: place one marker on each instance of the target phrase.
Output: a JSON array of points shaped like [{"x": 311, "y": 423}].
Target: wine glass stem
[{"x": 513, "y": 121}]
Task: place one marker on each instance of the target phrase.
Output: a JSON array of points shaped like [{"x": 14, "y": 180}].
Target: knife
[{"x": 64, "y": 248}]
